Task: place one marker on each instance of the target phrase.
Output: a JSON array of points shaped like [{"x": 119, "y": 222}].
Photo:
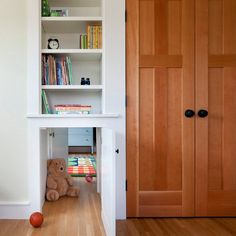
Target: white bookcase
[
  {"x": 87, "y": 63},
  {"x": 106, "y": 69}
]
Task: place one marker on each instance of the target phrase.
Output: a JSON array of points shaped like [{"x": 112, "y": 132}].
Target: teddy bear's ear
[{"x": 49, "y": 162}]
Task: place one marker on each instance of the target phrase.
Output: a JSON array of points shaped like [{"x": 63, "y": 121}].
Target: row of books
[
  {"x": 94, "y": 36},
  {"x": 65, "y": 109},
  {"x": 72, "y": 109},
  {"x": 92, "y": 39},
  {"x": 56, "y": 70}
]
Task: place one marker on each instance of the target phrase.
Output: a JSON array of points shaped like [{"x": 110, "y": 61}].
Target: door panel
[
  {"x": 181, "y": 55},
  {"x": 215, "y": 91},
  {"x": 160, "y": 87}
]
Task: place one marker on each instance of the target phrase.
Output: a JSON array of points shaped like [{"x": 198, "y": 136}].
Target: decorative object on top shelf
[
  {"x": 59, "y": 12},
  {"x": 73, "y": 109},
  {"x": 53, "y": 43},
  {"x": 45, "y": 8}
]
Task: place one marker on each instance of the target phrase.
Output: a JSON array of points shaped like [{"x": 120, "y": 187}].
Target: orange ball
[{"x": 36, "y": 219}]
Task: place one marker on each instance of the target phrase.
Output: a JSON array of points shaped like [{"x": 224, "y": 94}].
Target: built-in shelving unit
[{"x": 86, "y": 63}]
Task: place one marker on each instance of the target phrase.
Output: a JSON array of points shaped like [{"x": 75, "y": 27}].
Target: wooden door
[
  {"x": 160, "y": 87},
  {"x": 216, "y": 92}
]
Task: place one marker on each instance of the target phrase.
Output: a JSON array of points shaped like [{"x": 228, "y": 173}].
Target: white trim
[
  {"x": 75, "y": 51},
  {"x": 8, "y": 203},
  {"x": 72, "y": 18},
  {"x": 74, "y": 116},
  {"x": 92, "y": 88},
  {"x": 15, "y": 210}
]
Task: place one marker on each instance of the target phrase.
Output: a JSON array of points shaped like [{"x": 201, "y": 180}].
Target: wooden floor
[
  {"x": 65, "y": 217},
  {"x": 177, "y": 227},
  {"x": 81, "y": 217}
]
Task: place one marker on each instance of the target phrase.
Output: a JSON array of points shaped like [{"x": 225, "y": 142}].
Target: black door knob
[
  {"x": 189, "y": 113},
  {"x": 202, "y": 113}
]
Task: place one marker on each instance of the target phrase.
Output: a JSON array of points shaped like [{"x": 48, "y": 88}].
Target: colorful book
[{"x": 45, "y": 103}]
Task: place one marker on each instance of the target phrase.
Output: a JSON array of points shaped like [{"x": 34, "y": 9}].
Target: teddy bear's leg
[
  {"x": 52, "y": 195},
  {"x": 73, "y": 192}
]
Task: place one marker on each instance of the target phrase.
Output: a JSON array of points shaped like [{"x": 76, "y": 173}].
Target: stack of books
[
  {"x": 72, "y": 109},
  {"x": 56, "y": 70}
]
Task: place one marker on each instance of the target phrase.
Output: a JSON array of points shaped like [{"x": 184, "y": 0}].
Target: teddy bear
[{"x": 59, "y": 183}]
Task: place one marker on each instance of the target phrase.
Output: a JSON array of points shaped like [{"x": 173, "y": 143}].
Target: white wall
[
  {"x": 13, "y": 123},
  {"x": 14, "y": 175}
]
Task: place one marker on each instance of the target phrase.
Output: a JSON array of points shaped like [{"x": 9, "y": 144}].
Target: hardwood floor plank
[
  {"x": 177, "y": 227},
  {"x": 67, "y": 216},
  {"x": 73, "y": 217}
]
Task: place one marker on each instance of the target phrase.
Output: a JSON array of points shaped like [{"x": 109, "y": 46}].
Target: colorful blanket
[{"x": 81, "y": 165}]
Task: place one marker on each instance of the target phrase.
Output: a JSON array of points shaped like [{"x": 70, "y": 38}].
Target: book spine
[
  {"x": 86, "y": 41},
  {"x": 83, "y": 41},
  {"x": 91, "y": 36},
  {"x": 100, "y": 37},
  {"x": 88, "y": 36},
  {"x": 45, "y": 102},
  {"x": 54, "y": 72},
  {"x": 43, "y": 70},
  {"x": 50, "y": 70},
  {"x": 96, "y": 35},
  {"x": 66, "y": 72},
  {"x": 47, "y": 71},
  {"x": 80, "y": 41},
  {"x": 70, "y": 70},
  {"x": 63, "y": 73}
]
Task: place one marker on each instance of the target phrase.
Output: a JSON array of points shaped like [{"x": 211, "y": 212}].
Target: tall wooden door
[
  {"x": 216, "y": 93},
  {"x": 181, "y": 55},
  {"x": 160, "y": 88}
]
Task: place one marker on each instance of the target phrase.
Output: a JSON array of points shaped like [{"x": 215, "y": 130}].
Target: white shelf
[
  {"x": 87, "y": 88},
  {"x": 68, "y": 24},
  {"x": 74, "y": 116},
  {"x": 76, "y": 3},
  {"x": 71, "y": 18},
  {"x": 77, "y": 54}
]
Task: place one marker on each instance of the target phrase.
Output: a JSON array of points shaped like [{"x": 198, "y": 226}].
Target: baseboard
[{"x": 15, "y": 210}]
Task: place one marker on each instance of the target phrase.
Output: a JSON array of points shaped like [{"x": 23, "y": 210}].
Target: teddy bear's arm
[
  {"x": 51, "y": 183},
  {"x": 69, "y": 180}
]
